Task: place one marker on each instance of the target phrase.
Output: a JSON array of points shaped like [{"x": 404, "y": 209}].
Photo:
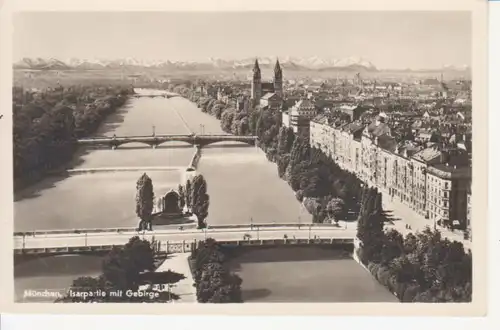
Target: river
[
  {"x": 243, "y": 186},
  {"x": 242, "y": 183}
]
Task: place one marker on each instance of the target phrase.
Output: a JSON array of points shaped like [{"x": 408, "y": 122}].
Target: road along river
[{"x": 243, "y": 186}]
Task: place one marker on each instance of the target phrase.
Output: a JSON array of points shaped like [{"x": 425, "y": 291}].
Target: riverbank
[
  {"x": 196, "y": 158},
  {"x": 46, "y": 125}
]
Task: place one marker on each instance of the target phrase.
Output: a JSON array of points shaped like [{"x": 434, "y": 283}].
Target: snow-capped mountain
[
  {"x": 355, "y": 61},
  {"x": 265, "y": 62},
  {"x": 311, "y": 63},
  {"x": 452, "y": 67},
  {"x": 42, "y": 64}
]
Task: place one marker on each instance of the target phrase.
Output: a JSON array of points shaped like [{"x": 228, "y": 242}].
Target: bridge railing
[
  {"x": 209, "y": 229},
  {"x": 201, "y": 136},
  {"x": 184, "y": 246}
]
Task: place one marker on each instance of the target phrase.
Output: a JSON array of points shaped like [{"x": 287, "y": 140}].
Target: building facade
[
  {"x": 299, "y": 117},
  {"x": 419, "y": 178}
]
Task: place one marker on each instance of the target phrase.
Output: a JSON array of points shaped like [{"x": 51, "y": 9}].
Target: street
[{"x": 177, "y": 236}]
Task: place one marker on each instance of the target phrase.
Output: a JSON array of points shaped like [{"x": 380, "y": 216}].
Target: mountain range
[{"x": 291, "y": 63}]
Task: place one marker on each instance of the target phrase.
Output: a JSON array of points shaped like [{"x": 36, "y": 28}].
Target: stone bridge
[
  {"x": 156, "y": 140},
  {"x": 166, "y": 96},
  {"x": 99, "y": 241}
]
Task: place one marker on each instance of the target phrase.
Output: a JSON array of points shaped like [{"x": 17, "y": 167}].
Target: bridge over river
[
  {"x": 163, "y": 95},
  {"x": 156, "y": 140},
  {"x": 60, "y": 242}
]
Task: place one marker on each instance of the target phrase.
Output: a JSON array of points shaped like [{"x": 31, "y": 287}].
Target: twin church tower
[{"x": 260, "y": 88}]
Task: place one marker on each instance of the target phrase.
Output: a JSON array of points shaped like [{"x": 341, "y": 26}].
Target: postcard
[{"x": 251, "y": 158}]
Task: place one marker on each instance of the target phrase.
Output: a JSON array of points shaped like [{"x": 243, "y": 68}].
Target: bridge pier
[
  {"x": 113, "y": 147},
  {"x": 154, "y": 146}
]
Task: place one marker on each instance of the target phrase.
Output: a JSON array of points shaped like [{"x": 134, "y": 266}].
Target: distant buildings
[
  {"x": 353, "y": 111},
  {"x": 431, "y": 181},
  {"x": 299, "y": 116},
  {"x": 271, "y": 101}
]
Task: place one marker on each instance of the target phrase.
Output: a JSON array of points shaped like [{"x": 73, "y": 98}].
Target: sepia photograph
[{"x": 242, "y": 157}]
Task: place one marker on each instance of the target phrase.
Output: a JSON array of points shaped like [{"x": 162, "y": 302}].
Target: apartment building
[
  {"x": 433, "y": 182},
  {"x": 322, "y": 134},
  {"x": 447, "y": 197}
]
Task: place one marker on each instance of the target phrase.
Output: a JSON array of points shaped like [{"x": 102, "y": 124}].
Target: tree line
[
  {"x": 420, "y": 267},
  {"x": 47, "y": 123},
  {"x": 234, "y": 120}
]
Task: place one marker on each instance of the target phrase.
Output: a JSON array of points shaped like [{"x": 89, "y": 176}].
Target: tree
[
  {"x": 189, "y": 195},
  {"x": 218, "y": 285},
  {"x": 295, "y": 174},
  {"x": 252, "y": 121},
  {"x": 300, "y": 151},
  {"x": 226, "y": 121},
  {"x": 403, "y": 268},
  {"x": 182, "y": 197},
  {"x": 335, "y": 209},
  {"x": 282, "y": 164},
  {"x": 285, "y": 140},
  {"x": 125, "y": 268},
  {"x": 144, "y": 201},
  {"x": 200, "y": 199},
  {"x": 316, "y": 181},
  {"x": 393, "y": 247},
  {"x": 214, "y": 282},
  {"x": 315, "y": 207}
]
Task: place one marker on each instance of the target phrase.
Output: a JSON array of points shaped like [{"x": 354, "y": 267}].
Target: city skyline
[{"x": 389, "y": 40}]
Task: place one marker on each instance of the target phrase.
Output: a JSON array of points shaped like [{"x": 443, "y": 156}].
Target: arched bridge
[
  {"x": 166, "y": 96},
  {"x": 156, "y": 140},
  {"x": 94, "y": 241}
]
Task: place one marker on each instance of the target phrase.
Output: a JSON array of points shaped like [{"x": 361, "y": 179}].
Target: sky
[{"x": 395, "y": 40}]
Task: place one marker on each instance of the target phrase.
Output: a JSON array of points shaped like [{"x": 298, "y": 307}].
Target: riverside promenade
[{"x": 404, "y": 216}]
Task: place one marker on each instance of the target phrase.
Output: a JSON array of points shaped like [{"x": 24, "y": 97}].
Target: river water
[{"x": 243, "y": 185}]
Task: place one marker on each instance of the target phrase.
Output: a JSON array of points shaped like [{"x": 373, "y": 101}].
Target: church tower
[
  {"x": 256, "y": 83},
  {"x": 278, "y": 80}
]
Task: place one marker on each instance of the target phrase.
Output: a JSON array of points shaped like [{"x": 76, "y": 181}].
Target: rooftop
[
  {"x": 428, "y": 154},
  {"x": 353, "y": 127},
  {"x": 321, "y": 119},
  {"x": 268, "y": 96},
  {"x": 387, "y": 142},
  {"x": 348, "y": 107},
  {"x": 450, "y": 172},
  {"x": 304, "y": 104},
  {"x": 377, "y": 128}
]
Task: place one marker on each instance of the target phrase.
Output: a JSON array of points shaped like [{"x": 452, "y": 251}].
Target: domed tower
[
  {"x": 256, "y": 83},
  {"x": 278, "y": 79}
]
